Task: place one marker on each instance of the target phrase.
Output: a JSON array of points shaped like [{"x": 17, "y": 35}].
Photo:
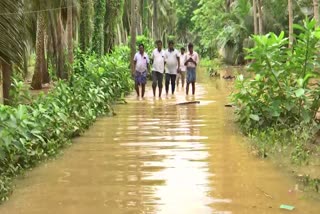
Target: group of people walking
[{"x": 172, "y": 64}]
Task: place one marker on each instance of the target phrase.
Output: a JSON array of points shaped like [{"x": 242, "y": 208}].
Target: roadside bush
[
  {"x": 280, "y": 93},
  {"x": 292, "y": 141},
  {"x": 149, "y": 44},
  {"x": 31, "y": 133},
  {"x": 213, "y": 66}
]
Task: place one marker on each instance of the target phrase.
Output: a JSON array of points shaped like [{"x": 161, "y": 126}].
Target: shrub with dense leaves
[
  {"x": 279, "y": 92},
  {"x": 30, "y": 133}
]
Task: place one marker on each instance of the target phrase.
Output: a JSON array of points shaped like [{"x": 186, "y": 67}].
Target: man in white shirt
[
  {"x": 141, "y": 64},
  {"x": 191, "y": 61},
  {"x": 172, "y": 66},
  {"x": 158, "y": 63},
  {"x": 183, "y": 69}
]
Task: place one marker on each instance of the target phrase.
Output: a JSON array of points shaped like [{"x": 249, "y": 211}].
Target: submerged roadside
[
  {"x": 31, "y": 133},
  {"x": 277, "y": 103},
  {"x": 295, "y": 150}
]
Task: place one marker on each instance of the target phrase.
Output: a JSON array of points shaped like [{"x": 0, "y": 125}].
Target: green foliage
[
  {"x": 19, "y": 93},
  {"x": 212, "y": 66},
  {"x": 311, "y": 183},
  {"x": 279, "y": 92},
  {"x": 293, "y": 141},
  {"x": 185, "y": 9},
  {"x": 113, "y": 8},
  {"x": 148, "y": 43},
  {"x": 223, "y": 29},
  {"x": 276, "y": 14},
  {"x": 31, "y": 133}
]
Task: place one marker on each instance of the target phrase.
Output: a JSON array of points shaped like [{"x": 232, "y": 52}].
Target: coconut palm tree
[
  {"x": 255, "y": 20},
  {"x": 40, "y": 60},
  {"x": 133, "y": 32},
  {"x": 86, "y": 27},
  {"x": 316, "y": 10},
  {"x": 99, "y": 17},
  {"x": 113, "y": 10},
  {"x": 12, "y": 41},
  {"x": 70, "y": 35},
  {"x": 260, "y": 17},
  {"x": 290, "y": 12}
]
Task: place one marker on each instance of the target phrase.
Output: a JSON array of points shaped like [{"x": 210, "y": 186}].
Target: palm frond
[{"x": 12, "y": 41}]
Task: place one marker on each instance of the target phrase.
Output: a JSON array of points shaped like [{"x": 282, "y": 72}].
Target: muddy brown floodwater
[{"x": 162, "y": 158}]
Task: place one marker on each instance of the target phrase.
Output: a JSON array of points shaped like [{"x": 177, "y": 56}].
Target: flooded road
[{"x": 162, "y": 158}]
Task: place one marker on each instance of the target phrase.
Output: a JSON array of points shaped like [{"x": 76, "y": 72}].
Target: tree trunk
[
  {"x": 139, "y": 18},
  {"x": 25, "y": 64},
  {"x": 260, "y": 16},
  {"x": 52, "y": 51},
  {"x": 6, "y": 75},
  {"x": 119, "y": 35},
  {"x": 85, "y": 31},
  {"x": 316, "y": 11},
  {"x": 155, "y": 20},
  {"x": 144, "y": 9},
  {"x": 290, "y": 11},
  {"x": 45, "y": 72},
  {"x": 123, "y": 33},
  {"x": 150, "y": 21},
  {"x": 113, "y": 8},
  {"x": 60, "y": 49},
  {"x": 37, "y": 76},
  {"x": 255, "y": 21},
  {"x": 133, "y": 32},
  {"x": 70, "y": 37},
  {"x": 98, "y": 38}
]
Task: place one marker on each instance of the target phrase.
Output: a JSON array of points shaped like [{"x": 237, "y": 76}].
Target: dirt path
[{"x": 157, "y": 157}]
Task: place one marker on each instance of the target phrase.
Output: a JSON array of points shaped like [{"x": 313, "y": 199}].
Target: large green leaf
[
  {"x": 299, "y": 92},
  {"x": 254, "y": 117}
]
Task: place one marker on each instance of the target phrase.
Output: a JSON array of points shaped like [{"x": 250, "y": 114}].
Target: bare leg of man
[
  {"x": 193, "y": 88},
  {"x": 154, "y": 82},
  {"x": 160, "y": 80},
  {"x": 173, "y": 83},
  {"x": 143, "y": 90},
  {"x": 137, "y": 89},
  {"x": 187, "y": 88},
  {"x": 167, "y": 83},
  {"x": 183, "y": 79},
  {"x": 178, "y": 79}
]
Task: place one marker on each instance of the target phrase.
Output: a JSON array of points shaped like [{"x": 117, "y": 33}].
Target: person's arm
[
  {"x": 148, "y": 63},
  {"x": 135, "y": 62},
  {"x": 164, "y": 64},
  {"x": 178, "y": 59},
  {"x": 197, "y": 60},
  {"x": 152, "y": 58},
  {"x": 186, "y": 60},
  {"x": 165, "y": 61}
]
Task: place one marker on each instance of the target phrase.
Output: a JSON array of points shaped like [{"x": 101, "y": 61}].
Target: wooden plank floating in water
[
  {"x": 188, "y": 103},
  {"x": 228, "y": 105}
]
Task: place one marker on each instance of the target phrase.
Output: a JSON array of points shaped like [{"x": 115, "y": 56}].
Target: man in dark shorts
[
  {"x": 141, "y": 64},
  {"x": 158, "y": 63},
  {"x": 191, "y": 61},
  {"x": 172, "y": 60}
]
